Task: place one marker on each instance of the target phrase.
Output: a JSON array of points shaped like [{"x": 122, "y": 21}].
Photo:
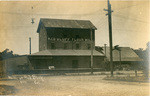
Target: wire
[
  {"x": 118, "y": 9},
  {"x": 86, "y": 14},
  {"x": 135, "y": 19},
  {"x": 127, "y": 30},
  {"x": 123, "y": 16},
  {"x": 91, "y": 13}
]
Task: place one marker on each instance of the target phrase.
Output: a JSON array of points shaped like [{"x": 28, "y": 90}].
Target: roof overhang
[
  {"x": 64, "y": 23},
  {"x": 67, "y": 53}
]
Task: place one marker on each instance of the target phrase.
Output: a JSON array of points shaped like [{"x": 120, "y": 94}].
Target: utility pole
[
  {"x": 105, "y": 48},
  {"x": 91, "y": 51},
  {"x": 30, "y": 45},
  {"x": 120, "y": 56},
  {"x": 110, "y": 35}
]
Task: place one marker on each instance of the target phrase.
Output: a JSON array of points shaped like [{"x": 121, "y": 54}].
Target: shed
[{"x": 127, "y": 54}]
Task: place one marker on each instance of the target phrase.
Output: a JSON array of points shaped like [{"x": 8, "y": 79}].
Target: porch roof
[
  {"x": 67, "y": 53},
  {"x": 127, "y": 54}
]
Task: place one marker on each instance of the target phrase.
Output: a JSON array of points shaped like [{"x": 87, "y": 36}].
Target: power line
[
  {"x": 127, "y": 30},
  {"x": 118, "y": 9},
  {"x": 17, "y": 13},
  {"x": 122, "y": 16},
  {"x": 91, "y": 13}
]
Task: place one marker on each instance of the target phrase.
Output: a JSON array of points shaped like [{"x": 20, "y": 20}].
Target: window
[
  {"x": 88, "y": 46},
  {"x": 65, "y": 45},
  {"x": 75, "y": 64},
  {"x": 90, "y": 64},
  {"x": 77, "y": 37},
  {"x": 64, "y": 36},
  {"x": 77, "y": 46},
  {"x": 52, "y": 45}
]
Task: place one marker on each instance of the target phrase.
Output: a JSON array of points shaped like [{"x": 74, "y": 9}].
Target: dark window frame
[
  {"x": 65, "y": 46},
  {"x": 77, "y": 46},
  {"x": 75, "y": 63},
  {"x": 53, "y": 45},
  {"x": 88, "y": 46}
]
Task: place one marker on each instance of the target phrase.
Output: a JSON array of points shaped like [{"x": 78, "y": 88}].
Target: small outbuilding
[{"x": 123, "y": 58}]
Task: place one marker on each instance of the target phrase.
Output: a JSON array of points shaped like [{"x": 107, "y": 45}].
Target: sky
[{"x": 130, "y": 21}]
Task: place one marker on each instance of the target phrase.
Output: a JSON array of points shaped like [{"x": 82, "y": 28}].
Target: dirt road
[{"x": 75, "y": 86}]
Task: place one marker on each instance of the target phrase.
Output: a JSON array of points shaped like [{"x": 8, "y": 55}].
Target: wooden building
[
  {"x": 125, "y": 58},
  {"x": 14, "y": 64},
  {"x": 2, "y": 69},
  {"x": 65, "y": 44}
]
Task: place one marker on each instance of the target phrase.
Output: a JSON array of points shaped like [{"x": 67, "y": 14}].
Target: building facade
[
  {"x": 65, "y": 34},
  {"x": 65, "y": 44}
]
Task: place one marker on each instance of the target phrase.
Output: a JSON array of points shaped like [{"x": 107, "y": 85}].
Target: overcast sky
[{"x": 130, "y": 21}]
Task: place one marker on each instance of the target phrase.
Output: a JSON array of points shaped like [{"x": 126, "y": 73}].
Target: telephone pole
[
  {"x": 30, "y": 45},
  {"x": 110, "y": 35},
  {"x": 105, "y": 48},
  {"x": 91, "y": 51}
]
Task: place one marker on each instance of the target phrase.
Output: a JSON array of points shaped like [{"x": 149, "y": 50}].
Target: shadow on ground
[
  {"x": 7, "y": 90},
  {"x": 127, "y": 79}
]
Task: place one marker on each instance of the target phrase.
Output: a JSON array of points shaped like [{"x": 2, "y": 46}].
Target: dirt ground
[{"x": 88, "y": 85}]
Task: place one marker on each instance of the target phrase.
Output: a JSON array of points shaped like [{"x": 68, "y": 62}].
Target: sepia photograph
[{"x": 75, "y": 47}]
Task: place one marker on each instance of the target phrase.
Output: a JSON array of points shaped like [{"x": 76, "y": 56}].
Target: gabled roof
[
  {"x": 67, "y": 53},
  {"x": 127, "y": 54},
  {"x": 64, "y": 23}
]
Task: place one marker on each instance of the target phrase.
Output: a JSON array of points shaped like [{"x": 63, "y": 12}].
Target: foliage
[{"x": 7, "y": 54}]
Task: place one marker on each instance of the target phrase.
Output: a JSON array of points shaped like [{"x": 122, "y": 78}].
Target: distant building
[
  {"x": 126, "y": 55},
  {"x": 65, "y": 44},
  {"x": 140, "y": 53}
]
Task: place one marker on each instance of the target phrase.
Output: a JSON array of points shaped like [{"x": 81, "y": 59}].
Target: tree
[
  {"x": 146, "y": 60},
  {"x": 7, "y": 54}
]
